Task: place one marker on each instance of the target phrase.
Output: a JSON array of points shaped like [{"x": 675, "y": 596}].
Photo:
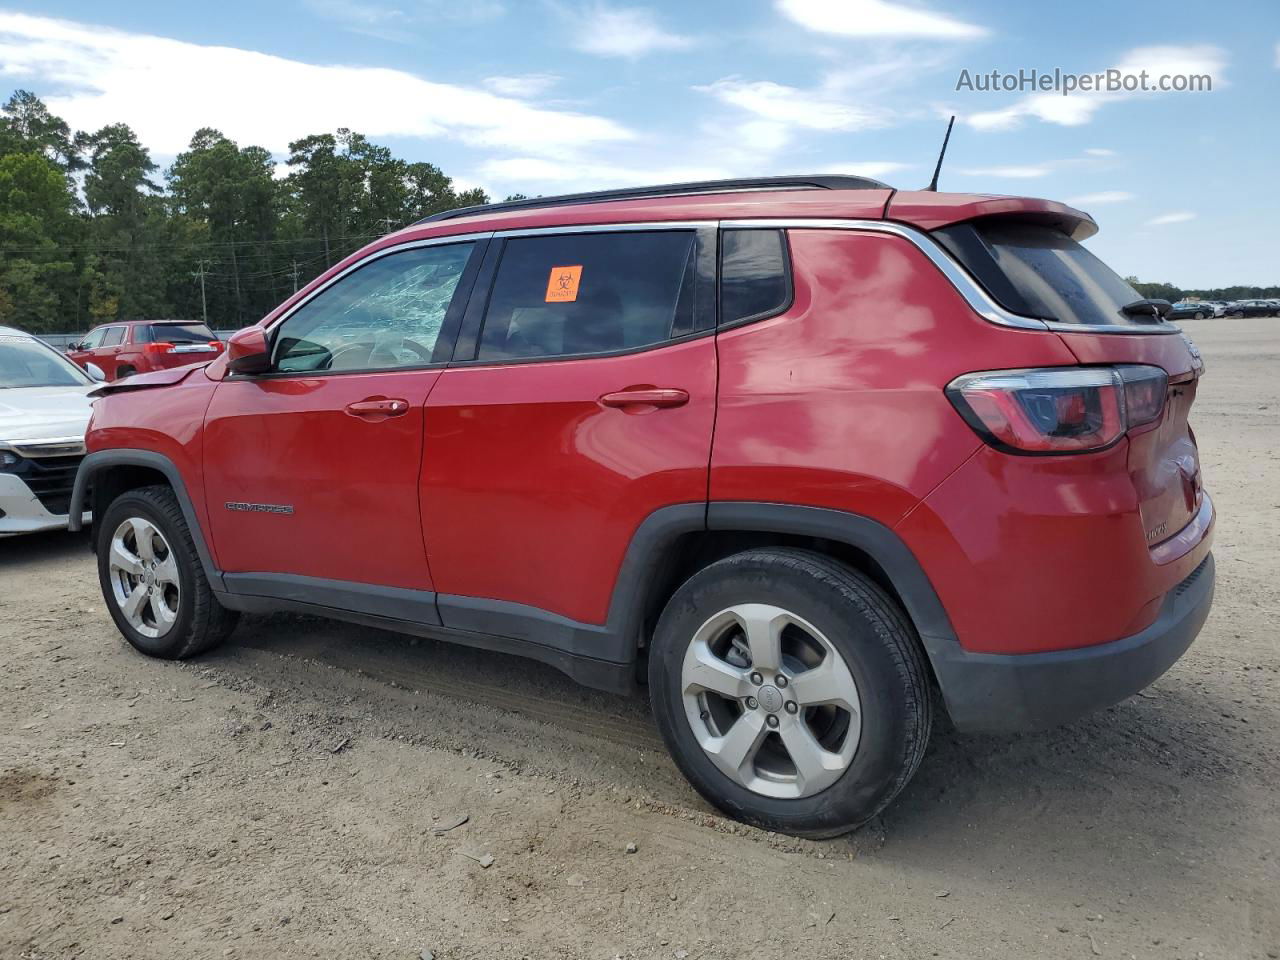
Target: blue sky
[{"x": 551, "y": 96}]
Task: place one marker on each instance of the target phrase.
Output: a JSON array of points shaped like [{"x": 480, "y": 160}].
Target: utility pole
[
  {"x": 204, "y": 307},
  {"x": 388, "y": 224},
  {"x": 295, "y": 276}
]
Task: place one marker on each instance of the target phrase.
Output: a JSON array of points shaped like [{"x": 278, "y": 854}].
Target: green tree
[
  {"x": 26, "y": 125},
  {"x": 37, "y": 223},
  {"x": 227, "y": 194}
]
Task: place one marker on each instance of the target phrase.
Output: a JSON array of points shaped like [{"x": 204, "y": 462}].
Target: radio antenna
[{"x": 933, "y": 184}]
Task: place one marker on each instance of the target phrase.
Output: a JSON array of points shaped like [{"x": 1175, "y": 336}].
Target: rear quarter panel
[{"x": 839, "y": 402}]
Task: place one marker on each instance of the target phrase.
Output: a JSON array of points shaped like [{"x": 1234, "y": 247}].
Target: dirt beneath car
[{"x": 320, "y": 790}]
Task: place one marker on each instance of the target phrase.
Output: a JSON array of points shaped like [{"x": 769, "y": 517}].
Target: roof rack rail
[{"x": 819, "y": 182}]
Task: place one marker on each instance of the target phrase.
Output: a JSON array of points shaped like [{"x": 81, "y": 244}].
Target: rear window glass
[
  {"x": 588, "y": 293},
  {"x": 753, "y": 274},
  {"x": 1056, "y": 277},
  {"x": 179, "y": 333}
]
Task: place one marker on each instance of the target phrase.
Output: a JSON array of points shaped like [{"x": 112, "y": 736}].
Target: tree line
[
  {"x": 1167, "y": 291},
  {"x": 92, "y": 231}
]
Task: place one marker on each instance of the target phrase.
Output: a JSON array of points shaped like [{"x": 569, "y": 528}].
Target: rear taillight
[
  {"x": 159, "y": 348},
  {"x": 1059, "y": 409}
]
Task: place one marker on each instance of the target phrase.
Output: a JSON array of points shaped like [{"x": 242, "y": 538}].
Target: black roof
[{"x": 819, "y": 182}]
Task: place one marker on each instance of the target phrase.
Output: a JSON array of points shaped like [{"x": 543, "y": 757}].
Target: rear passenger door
[{"x": 580, "y": 400}]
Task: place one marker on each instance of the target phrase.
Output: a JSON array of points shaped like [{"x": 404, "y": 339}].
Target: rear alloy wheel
[
  {"x": 152, "y": 578},
  {"x": 755, "y": 669},
  {"x": 791, "y": 691}
]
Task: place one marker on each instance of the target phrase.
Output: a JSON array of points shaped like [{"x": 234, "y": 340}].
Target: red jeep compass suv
[{"x": 801, "y": 453}]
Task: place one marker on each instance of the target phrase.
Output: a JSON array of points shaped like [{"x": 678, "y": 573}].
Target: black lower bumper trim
[{"x": 1000, "y": 693}]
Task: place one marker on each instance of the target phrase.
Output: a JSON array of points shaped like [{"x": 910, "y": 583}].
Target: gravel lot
[{"x": 281, "y": 797}]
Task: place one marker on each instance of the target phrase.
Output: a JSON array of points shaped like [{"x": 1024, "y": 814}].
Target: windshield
[
  {"x": 180, "y": 333},
  {"x": 26, "y": 362}
]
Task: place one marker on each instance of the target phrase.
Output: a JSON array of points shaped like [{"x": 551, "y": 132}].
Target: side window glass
[
  {"x": 754, "y": 277},
  {"x": 113, "y": 336},
  {"x": 93, "y": 340},
  {"x": 386, "y": 314},
  {"x": 588, "y": 293}
]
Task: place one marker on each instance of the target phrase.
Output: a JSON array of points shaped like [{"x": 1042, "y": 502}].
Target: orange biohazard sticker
[{"x": 562, "y": 285}]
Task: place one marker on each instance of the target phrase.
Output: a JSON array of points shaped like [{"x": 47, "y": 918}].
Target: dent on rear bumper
[{"x": 1005, "y": 692}]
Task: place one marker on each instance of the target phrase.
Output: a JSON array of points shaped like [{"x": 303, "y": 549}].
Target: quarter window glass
[
  {"x": 1057, "y": 277},
  {"x": 113, "y": 337},
  {"x": 589, "y": 293},
  {"x": 753, "y": 274},
  {"x": 386, "y": 314}
]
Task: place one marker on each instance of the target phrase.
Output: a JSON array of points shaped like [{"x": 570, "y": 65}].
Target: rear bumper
[{"x": 1005, "y": 692}]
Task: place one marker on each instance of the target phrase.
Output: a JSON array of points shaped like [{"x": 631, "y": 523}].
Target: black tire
[
  {"x": 1199, "y": 316},
  {"x": 877, "y": 643},
  {"x": 201, "y": 622}
]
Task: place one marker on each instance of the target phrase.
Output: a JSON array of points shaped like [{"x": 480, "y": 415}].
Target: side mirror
[
  {"x": 95, "y": 373},
  {"x": 248, "y": 352},
  {"x": 72, "y": 347}
]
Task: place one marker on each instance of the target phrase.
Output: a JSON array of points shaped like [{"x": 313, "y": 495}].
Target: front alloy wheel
[{"x": 144, "y": 577}]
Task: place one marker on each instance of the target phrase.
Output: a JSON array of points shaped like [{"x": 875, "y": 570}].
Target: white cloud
[
  {"x": 1178, "y": 216},
  {"x": 793, "y": 107},
  {"x": 1078, "y": 107},
  {"x": 622, "y": 32},
  {"x": 875, "y": 169},
  {"x": 530, "y": 173},
  {"x": 1099, "y": 152},
  {"x": 163, "y": 88},
  {"x": 875, "y": 18},
  {"x": 1015, "y": 172},
  {"x": 1097, "y": 199},
  {"x": 523, "y": 86}
]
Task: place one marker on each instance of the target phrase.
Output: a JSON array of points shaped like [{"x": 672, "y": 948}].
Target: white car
[{"x": 44, "y": 409}]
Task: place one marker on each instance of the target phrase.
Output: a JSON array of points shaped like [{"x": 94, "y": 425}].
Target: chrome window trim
[
  {"x": 970, "y": 289},
  {"x": 650, "y": 226},
  {"x": 977, "y": 298}
]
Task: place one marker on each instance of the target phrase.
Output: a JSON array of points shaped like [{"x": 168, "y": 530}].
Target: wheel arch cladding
[{"x": 124, "y": 470}]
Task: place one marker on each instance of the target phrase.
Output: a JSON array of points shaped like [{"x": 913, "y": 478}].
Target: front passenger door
[{"x": 311, "y": 470}]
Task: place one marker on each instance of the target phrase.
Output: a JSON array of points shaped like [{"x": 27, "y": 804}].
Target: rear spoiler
[
  {"x": 931, "y": 211},
  {"x": 143, "y": 381}
]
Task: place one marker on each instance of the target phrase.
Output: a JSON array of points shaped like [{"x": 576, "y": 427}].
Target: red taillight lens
[
  {"x": 1145, "y": 389},
  {"x": 1059, "y": 409},
  {"x": 159, "y": 347}
]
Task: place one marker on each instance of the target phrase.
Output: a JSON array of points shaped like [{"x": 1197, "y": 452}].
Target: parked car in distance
[
  {"x": 44, "y": 408},
  {"x": 1257, "y": 308},
  {"x": 141, "y": 346},
  {"x": 1195, "y": 310},
  {"x": 948, "y": 456}
]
